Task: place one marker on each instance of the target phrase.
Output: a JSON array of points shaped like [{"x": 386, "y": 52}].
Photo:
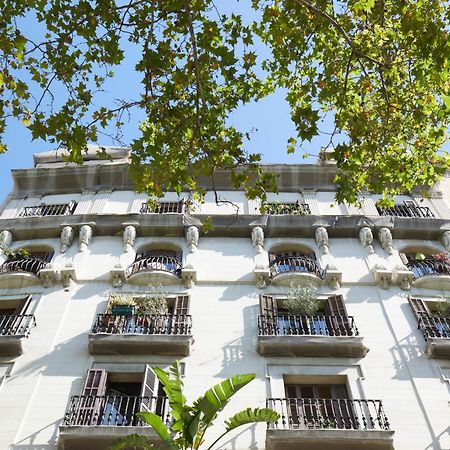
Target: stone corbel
[
  {"x": 445, "y": 238},
  {"x": 128, "y": 237},
  {"x": 261, "y": 276},
  {"x": 385, "y": 238},
  {"x": 68, "y": 275},
  {"x": 188, "y": 276},
  {"x": 333, "y": 276},
  {"x": 366, "y": 238},
  {"x": 192, "y": 237},
  {"x": 402, "y": 277},
  {"x": 84, "y": 237},
  {"x": 321, "y": 236},
  {"x": 5, "y": 239},
  {"x": 258, "y": 239},
  {"x": 117, "y": 276},
  {"x": 67, "y": 234},
  {"x": 382, "y": 276},
  {"x": 48, "y": 275}
]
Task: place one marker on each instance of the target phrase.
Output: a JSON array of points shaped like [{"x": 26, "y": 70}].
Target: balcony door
[{"x": 319, "y": 406}]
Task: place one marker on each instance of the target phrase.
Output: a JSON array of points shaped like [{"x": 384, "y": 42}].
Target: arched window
[
  {"x": 156, "y": 258},
  {"x": 30, "y": 259},
  {"x": 422, "y": 261}
]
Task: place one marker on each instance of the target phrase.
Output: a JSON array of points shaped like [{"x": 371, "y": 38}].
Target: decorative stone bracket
[
  {"x": 128, "y": 237},
  {"x": 258, "y": 239},
  {"x": 85, "y": 237},
  {"x": 333, "y": 276},
  {"x": 402, "y": 277},
  {"x": 385, "y": 238},
  {"x": 321, "y": 237},
  {"x": 68, "y": 275},
  {"x": 192, "y": 237},
  {"x": 188, "y": 276},
  {"x": 48, "y": 275},
  {"x": 67, "y": 234},
  {"x": 5, "y": 238},
  {"x": 382, "y": 276},
  {"x": 366, "y": 238},
  {"x": 261, "y": 277},
  {"x": 117, "y": 276}
]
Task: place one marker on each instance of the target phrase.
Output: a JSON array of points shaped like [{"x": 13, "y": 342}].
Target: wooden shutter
[
  {"x": 91, "y": 405},
  {"x": 339, "y": 324},
  {"x": 181, "y": 310},
  {"x": 149, "y": 390},
  {"x": 268, "y": 305},
  {"x": 342, "y": 408},
  {"x": 294, "y": 406},
  {"x": 272, "y": 257},
  {"x": 404, "y": 259},
  {"x": 419, "y": 307}
]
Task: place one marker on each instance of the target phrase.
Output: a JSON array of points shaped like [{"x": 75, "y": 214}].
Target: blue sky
[{"x": 269, "y": 119}]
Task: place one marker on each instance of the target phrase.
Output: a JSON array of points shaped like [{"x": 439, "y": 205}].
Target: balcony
[
  {"x": 148, "y": 334},
  {"x": 13, "y": 330},
  {"x": 328, "y": 424},
  {"x": 21, "y": 272},
  {"x": 95, "y": 422},
  {"x": 147, "y": 270},
  {"x": 430, "y": 272},
  {"x": 318, "y": 335},
  {"x": 298, "y": 209},
  {"x": 162, "y": 208},
  {"x": 436, "y": 331},
  {"x": 294, "y": 269},
  {"x": 63, "y": 209},
  {"x": 408, "y": 209}
]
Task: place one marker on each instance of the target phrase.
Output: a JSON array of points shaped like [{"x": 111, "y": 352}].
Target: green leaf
[
  {"x": 158, "y": 425},
  {"x": 132, "y": 441},
  {"x": 216, "y": 398},
  {"x": 250, "y": 415}
]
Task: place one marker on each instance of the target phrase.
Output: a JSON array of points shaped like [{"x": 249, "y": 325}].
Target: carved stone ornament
[
  {"x": 188, "y": 276},
  {"x": 261, "y": 276},
  {"x": 67, "y": 234},
  {"x": 117, "y": 276},
  {"x": 5, "y": 238},
  {"x": 192, "y": 236},
  {"x": 403, "y": 277},
  {"x": 366, "y": 238},
  {"x": 85, "y": 237},
  {"x": 321, "y": 236},
  {"x": 48, "y": 275},
  {"x": 385, "y": 238},
  {"x": 446, "y": 240},
  {"x": 128, "y": 238},
  {"x": 258, "y": 239},
  {"x": 333, "y": 276},
  {"x": 382, "y": 276},
  {"x": 68, "y": 275}
]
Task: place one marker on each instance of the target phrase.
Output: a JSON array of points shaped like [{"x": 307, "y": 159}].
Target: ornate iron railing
[
  {"x": 169, "y": 324},
  {"x": 434, "y": 326},
  {"x": 113, "y": 410},
  {"x": 316, "y": 325},
  {"x": 408, "y": 209},
  {"x": 295, "y": 264},
  {"x": 162, "y": 208},
  {"x": 324, "y": 413},
  {"x": 428, "y": 266},
  {"x": 17, "y": 325},
  {"x": 63, "y": 209},
  {"x": 296, "y": 208},
  {"x": 165, "y": 263},
  {"x": 30, "y": 265}
]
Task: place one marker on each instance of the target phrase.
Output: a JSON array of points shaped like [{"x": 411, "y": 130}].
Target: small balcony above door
[{"x": 430, "y": 270}]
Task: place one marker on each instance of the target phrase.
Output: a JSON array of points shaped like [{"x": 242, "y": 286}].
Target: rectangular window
[
  {"x": 162, "y": 208},
  {"x": 406, "y": 209},
  {"x": 432, "y": 318}
]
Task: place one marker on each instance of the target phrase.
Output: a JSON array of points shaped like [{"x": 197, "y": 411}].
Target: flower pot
[{"x": 123, "y": 310}]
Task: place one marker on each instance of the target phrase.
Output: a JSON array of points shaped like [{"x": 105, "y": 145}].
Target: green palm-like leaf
[
  {"x": 158, "y": 425},
  {"x": 250, "y": 415},
  {"x": 132, "y": 441},
  {"x": 216, "y": 398}
]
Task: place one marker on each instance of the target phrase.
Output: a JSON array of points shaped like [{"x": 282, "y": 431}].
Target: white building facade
[{"x": 370, "y": 369}]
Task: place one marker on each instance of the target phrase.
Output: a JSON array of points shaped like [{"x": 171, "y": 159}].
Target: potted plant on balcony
[
  {"x": 301, "y": 299},
  {"x": 443, "y": 308},
  {"x": 153, "y": 304},
  {"x": 122, "y": 305}
]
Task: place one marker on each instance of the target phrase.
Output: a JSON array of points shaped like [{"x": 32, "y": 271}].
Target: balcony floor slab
[
  {"x": 148, "y": 277},
  {"x": 11, "y": 345},
  {"x": 17, "y": 280},
  {"x": 438, "y": 348},
  {"x": 339, "y": 346},
  {"x": 140, "y": 344}
]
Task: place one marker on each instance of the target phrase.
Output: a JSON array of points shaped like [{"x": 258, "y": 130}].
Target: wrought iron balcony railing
[
  {"x": 408, "y": 209},
  {"x": 428, "y": 266},
  {"x": 315, "y": 325},
  {"x": 434, "y": 326},
  {"x": 164, "y": 263},
  {"x": 169, "y": 324},
  {"x": 295, "y": 264},
  {"x": 16, "y": 325},
  {"x": 30, "y": 265},
  {"x": 324, "y": 413},
  {"x": 162, "y": 208},
  {"x": 275, "y": 208},
  {"x": 112, "y": 410},
  {"x": 63, "y": 209}
]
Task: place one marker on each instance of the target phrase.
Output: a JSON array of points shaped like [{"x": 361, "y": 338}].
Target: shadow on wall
[
  {"x": 27, "y": 443},
  {"x": 231, "y": 443}
]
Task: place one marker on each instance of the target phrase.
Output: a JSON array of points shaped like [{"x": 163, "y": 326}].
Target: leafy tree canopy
[{"x": 379, "y": 68}]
